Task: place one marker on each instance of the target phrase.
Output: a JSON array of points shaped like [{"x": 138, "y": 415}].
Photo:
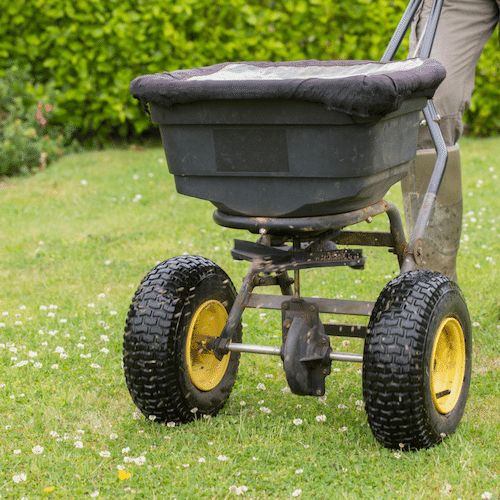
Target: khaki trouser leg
[{"x": 464, "y": 28}]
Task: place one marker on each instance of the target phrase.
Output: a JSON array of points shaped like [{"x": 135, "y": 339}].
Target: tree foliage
[{"x": 89, "y": 50}]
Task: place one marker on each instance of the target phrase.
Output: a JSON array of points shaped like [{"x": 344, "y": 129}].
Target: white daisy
[{"x": 19, "y": 478}]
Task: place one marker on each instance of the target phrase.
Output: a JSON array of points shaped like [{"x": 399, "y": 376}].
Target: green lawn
[{"x": 75, "y": 241}]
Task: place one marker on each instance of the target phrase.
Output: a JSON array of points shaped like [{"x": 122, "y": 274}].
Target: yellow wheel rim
[
  {"x": 204, "y": 369},
  {"x": 447, "y": 365}
]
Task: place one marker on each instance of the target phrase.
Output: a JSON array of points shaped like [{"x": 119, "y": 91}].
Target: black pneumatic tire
[
  {"x": 158, "y": 321},
  {"x": 397, "y": 360}
]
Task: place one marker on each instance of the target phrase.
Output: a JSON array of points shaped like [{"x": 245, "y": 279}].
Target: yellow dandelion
[
  {"x": 123, "y": 475},
  {"x": 49, "y": 489}
]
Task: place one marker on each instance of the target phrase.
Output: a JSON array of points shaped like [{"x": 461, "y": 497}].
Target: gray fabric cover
[{"x": 357, "y": 88}]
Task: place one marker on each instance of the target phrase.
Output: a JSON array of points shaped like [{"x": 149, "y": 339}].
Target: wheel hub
[
  {"x": 447, "y": 365},
  {"x": 204, "y": 369}
]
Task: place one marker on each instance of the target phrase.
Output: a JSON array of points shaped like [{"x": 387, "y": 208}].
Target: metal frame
[
  {"x": 413, "y": 253},
  {"x": 318, "y": 232},
  {"x": 302, "y": 233}
]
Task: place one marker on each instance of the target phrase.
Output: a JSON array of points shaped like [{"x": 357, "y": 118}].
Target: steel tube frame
[
  {"x": 331, "y": 306},
  {"x": 400, "y": 30},
  {"x": 254, "y": 349},
  {"x": 412, "y": 252},
  {"x": 397, "y": 232},
  {"x": 405, "y": 22},
  {"x": 237, "y": 309},
  {"x": 346, "y": 356},
  {"x": 276, "y": 351},
  {"x": 429, "y": 200},
  {"x": 430, "y": 29},
  {"x": 306, "y": 226}
]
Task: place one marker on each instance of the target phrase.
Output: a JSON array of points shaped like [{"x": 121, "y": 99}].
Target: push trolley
[{"x": 295, "y": 153}]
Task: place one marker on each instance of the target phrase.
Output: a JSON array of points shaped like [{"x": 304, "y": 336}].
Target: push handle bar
[
  {"x": 400, "y": 31},
  {"x": 423, "y": 50}
]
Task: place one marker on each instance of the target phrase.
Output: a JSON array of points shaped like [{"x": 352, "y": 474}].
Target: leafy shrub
[
  {"x": 90, "y": 49},
  {"x": 27, "y": 140}
]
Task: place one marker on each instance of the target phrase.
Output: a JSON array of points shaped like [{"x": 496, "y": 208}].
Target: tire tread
[
  {"x": 151, "y": 358},
  {"x": 393, "y": 366}
]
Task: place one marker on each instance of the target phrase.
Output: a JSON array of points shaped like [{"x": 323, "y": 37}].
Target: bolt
[{"x": 312, "y": 308}]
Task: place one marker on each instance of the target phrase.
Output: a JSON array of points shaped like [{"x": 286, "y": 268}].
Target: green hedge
[{"x": 90, "y": 49}]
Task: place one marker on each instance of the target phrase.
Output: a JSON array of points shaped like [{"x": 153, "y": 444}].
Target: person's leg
[
  {"x": 442, "y": 239},
  {"x": 464, "y": 28}
]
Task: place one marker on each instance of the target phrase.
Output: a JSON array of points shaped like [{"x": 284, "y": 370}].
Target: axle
[{"x": 276, "y": 351}]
